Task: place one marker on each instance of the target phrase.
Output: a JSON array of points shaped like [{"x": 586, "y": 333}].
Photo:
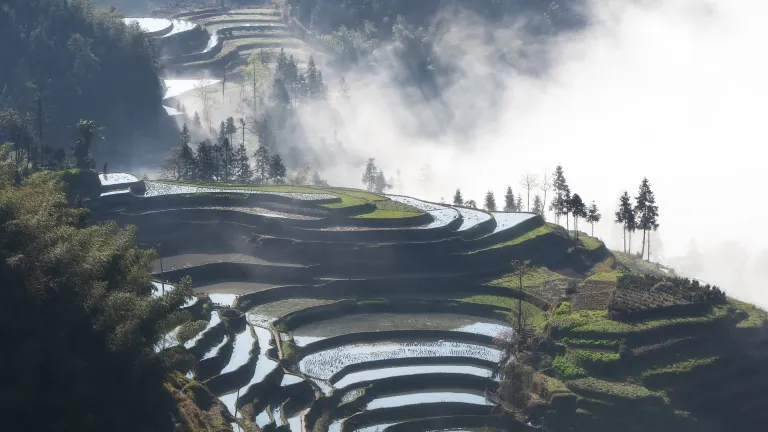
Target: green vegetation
[
  {"x": 190, "y": 330},
  {"x": 544, "y": 229},
  {"x": 289, "y": 349},
  {"x": 92, "y": 286},
  {"x": 568, "y": 370},
  {"x": 598, "y": 322},
  {"x": 614, "y": 389},
  {"x": 679, "y": 368},
  {"x": 590, "y": 243},
  {"x": 599, "y": 343},
  {"x": 756, "y": 317},
  {"x": 586, "y": 357},
  {"x": 534, "y": 278},
  {"x": 94, "y": 49},
  {"x": 532, "y": 315},
  {"x": 391, "y": 210},
  {"x": 608, "y": 276}
]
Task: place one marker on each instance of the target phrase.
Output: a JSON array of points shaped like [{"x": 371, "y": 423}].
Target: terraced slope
[{"x": 338, "y": 309}]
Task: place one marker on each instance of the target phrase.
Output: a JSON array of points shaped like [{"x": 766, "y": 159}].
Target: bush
[
  {"x": 563, "y": 309},
  {"x": 84, "y": 183},
  {"x": 568, "y": 370},
  {"x": 190, "y": 330}
]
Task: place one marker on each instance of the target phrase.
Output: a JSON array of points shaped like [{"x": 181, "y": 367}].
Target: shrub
[
  {"x": 190, "y": 330},
  {"x": 563, "y": 309},
  {"x": 82, "y": 182},
  {"x": 568, "y": 370}
]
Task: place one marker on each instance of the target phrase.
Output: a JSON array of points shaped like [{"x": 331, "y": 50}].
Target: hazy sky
[{"x": 674, "y": 90}]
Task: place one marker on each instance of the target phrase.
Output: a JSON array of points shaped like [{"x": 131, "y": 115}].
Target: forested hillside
[{"x": 66, "y": 60}]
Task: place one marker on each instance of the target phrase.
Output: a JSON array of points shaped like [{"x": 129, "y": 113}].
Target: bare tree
[
  {"x": 520, "y": 269},
  {"x": 205, "y": 94},
  {"x": 544, "y": 186},
  {"x": 529, "y": 182}
]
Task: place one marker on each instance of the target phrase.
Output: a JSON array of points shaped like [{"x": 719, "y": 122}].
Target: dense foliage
[
  {"x": 64, "y": 60},
  {"x": 81, "y": 354}
]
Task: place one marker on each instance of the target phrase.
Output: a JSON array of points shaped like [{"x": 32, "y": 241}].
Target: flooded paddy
[
  {"x": 215, "y": 319},
  {"x": 326, "y": 363},
  {"x": 374, "y": 374},
  {"x": 393, "y": 321},
  {"x": 265, "y": 314},
  {"x": 264, "y": 364},
  {"x": 506, "y": 221},
  {"x": 243, "y": 346},
  {"x": 428, "y": 397}
]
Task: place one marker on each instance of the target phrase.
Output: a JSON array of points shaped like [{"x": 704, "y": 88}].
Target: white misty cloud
[{"x": 673, "y": 90}]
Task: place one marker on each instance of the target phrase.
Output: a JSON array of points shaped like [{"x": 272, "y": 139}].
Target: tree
[
  {"x": 519, "y": 203},
  {"x": 226, "y": 160},
  {"x": 369, "y": 175},
  {"x": 230, "y": 129},
  {"x": 243, "y": 165},
  {"x": 529, "y": 182},
  {"x": 173, "y": 165},
  {"x": 381, "y": 182},
  {"x": 93, "y": 286},
  {"x": 625, "y": 215},
  {"x": 86, "y": 130},
  {"x": 545, "y": 185},
  {"x": 189, "y": 171},
  {"x": 561, "y": 189},
  {"x": 520, "y": 269},
  {"x": 472, "y": 204},
  {"x": 457, "y": 198},
  {"x": 593, "y": 216},
  {"x": 490, "y": 201},
  {"x": 579, "y": 210},
  {"x": 509, "y": 201},
  {"x": 538, "y": 207},
  {"x": 566, "y": 207},
  {"x": 196, "y": 120},
  {"x": 277, "y": 169},
  {"x": 206, "y": 161},
  {"x": 647, "y": 212},
  {"x": 261, "y": 164}
]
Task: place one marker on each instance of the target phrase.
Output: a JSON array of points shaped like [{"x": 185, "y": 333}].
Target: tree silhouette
[
  {"x": 647, "y": 212},
  {"x": 369, "y": 175},
  {"x": 490, "y": 202},
  {"x": 578, "y": 209},
  {"x": 529, "y": 181},
  {"x": 593, "y": 216},
  {"x": 520, "y": 269},
  {"x": 538, "y": 206},
  {"x": 261, "y": 165},
  {"x": 277, "y": 169},
  {"x": 509, "y": 201},
  {"x": 561, "y": 189},
  {"x": 86, "y": 130},
  {"x": 457, "y": 198}
]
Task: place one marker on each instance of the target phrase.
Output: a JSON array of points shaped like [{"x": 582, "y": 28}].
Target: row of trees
[
  {"x": 643, "y": 215},
  {"x": 564, "y": 203},
  {"x": 220, "y": 161}
]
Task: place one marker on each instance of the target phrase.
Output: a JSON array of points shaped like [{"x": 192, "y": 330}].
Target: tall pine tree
[
  {"x": 647, "y": 213},
  {"x": 509, "y": 201},
  {"x": 538, "y": 206},
  {"x": 277, "y": 169},
  {"x": 579, "y": 210},
  {"x": 369, "y": 174},
  {"x": 561, "y": 190},
  {"x": 261, "y": 165},
  {"x": 242, "y": 165},
  {"x": 490, "y": 201}
]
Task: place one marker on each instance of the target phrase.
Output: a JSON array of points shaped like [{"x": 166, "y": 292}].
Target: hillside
[{"x": 324, "y": 308}]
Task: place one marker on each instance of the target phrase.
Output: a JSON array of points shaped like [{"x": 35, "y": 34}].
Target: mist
[
  {"x": 664, "y": 89},
  {"x": 669, "y": 90}
]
